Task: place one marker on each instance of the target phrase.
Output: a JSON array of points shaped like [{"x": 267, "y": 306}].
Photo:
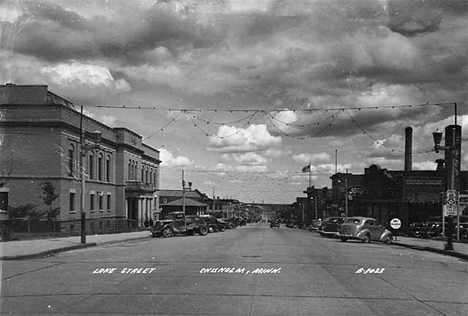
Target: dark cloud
[
  {"x": 411, "y": 18},
  {"x": 55, "y": 34}
]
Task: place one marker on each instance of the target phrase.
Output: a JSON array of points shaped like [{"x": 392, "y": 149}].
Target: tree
[{"x": 49, "y": 196}]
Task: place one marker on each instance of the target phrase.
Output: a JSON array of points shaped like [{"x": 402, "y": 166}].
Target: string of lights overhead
[{"x": 326, "y": 122}]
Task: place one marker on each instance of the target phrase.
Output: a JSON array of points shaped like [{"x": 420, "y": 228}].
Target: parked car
[
  {"x": 229, "y": 223},
  {"x": 177, "y": 223},
  {"x": 315, "y": 224},
  {"x": 214, "y": 225},
  {"x": 418, "y": 230},
  {"x": 365, "y": 229},
  {"x": 274, "y": 223},
  {"x": 330, "y": 226}
]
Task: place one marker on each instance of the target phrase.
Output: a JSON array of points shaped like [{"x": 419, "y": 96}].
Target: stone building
[{"x": 40, "y": 142}]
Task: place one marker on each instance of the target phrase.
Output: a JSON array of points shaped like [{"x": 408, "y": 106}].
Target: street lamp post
[
  {"x": 83, "y": 151},
  {"x": 437, "y": 136}
]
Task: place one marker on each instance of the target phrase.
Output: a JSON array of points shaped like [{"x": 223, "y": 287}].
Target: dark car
[
  {"x": 214, "y": 225},
  {"x": 274, "y": 223},
  {"x": 229, "y": 223},
  {"x": 176, "y": 223},
  {"x": 330, "y": 226},
  {"x": 418, "y": 230}
]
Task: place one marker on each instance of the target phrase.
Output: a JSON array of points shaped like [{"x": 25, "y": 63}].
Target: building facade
[
  {"x": 410, "y": 195},
  {"x": 40, "y": 135}
]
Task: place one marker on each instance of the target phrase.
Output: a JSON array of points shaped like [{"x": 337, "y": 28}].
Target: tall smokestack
[{"x": 408, "y": 148}]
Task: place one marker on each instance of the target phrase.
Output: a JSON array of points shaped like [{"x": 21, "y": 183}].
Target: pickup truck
[{"x": 177, "y": 223}]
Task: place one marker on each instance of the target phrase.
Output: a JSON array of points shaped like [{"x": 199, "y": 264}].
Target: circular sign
[{"x": 395, "y": 223}]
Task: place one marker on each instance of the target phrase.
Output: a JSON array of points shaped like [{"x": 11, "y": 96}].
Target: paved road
[{"x": 251, "y": 270}]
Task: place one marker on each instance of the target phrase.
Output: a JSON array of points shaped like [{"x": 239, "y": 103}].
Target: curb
[
  {"x": 48, "y": 252},
  {"x": 69, "y": 248},
  {"x": 439, "y": 251}
]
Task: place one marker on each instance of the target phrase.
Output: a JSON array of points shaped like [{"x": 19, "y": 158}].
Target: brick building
[
  {"x": 40, "y": 142},
  {"x": 411, "y": 195}
]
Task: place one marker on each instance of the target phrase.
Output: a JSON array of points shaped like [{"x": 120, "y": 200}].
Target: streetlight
[
  {"x": 346, "y": 195},
  {"x": 437, "y": 136},
  {"x": 83, "y": 151}
]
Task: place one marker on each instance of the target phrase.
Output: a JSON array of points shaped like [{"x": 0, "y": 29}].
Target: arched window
[
  {"x": 130, "y": 170},
  {"x": 91, "y": 165},
  {"x": 71, "y": 160},
  {"x": 108, "y": 168},
  {"x": 100, "y": 167}
]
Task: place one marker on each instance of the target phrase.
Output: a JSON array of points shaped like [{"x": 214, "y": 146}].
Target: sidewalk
[
  {"x": 16, "y": 250},
  {"x": 24, "y": 249},
  {"x": 460, "y": 250}
]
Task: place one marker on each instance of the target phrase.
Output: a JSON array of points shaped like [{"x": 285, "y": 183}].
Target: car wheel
[
  {"x": 167, "y": 232},
  {"x": 221, "y": 228},
  {"x": 211, "y": 229},
  {"x": 203, "y": 231},
  {"x": 154, "y": 235},
  {"x": 366, "y": 239},
  {"x": 343, "y": 239},
  {"x": 388, "y": 239},
  {"x": 417, "y": 234}
]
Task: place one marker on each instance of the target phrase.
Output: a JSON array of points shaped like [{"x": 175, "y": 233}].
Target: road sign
[
  {"x": 395, "y": 223},
  {"x": 450, "y": 210},
  {"x": 451, "y": 197}
]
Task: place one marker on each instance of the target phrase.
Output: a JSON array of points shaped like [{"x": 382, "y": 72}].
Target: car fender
[
  {"x": 386, "y": 234},
  {"x": 362, "y": 233}
]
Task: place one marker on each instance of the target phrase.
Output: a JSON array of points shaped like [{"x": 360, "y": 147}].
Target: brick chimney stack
[{"x": 408, "y": 148}]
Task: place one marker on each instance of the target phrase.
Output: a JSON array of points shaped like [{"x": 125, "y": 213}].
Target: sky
[{"x": 240, "y": 95}]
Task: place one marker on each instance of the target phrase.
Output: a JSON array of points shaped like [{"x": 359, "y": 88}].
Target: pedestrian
[
  {"x": 146, "y": 223},
  {"x": 151, "y": 223}
]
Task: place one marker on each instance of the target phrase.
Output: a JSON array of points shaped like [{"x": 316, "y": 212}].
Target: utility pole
[
  {"x": 183, "y": 200},
  {"x": 346, "y": 197},
  {"x": 83, "y": 151}
]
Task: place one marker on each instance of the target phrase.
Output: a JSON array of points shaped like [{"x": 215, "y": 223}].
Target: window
[
  {"x": 142, "y": 174},
  {"x": 72, "y": 201},
  {"x": 91, "y": 166},
  {"x": 130, "y": 170},
  {"x": 108, "y": 169},
  {"x": 100, "y": 168},
  {"x": 101, "y": 202},
  {"x": 71, "y": 161},
  {"x": 3, "y": 201},
  {"x": 108, "y": 202},
  {"x": 91, "y": 201}
]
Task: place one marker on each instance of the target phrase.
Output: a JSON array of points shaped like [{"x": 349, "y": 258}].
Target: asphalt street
[{"x": 252, "y": 270}]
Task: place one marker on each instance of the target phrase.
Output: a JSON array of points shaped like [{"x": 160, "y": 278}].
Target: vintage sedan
[
  {"x": 330, "y": 226},
  {"x": 365, "y": 229}
]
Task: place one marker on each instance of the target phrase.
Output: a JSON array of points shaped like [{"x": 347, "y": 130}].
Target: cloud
[
  {"x": 169, "y": 160},
  {"x": 250, "y": 159},
  {"x": 84, "y": 76},
  {"x": 306, "y": 158},
  {"x": 230, "y": 139}
]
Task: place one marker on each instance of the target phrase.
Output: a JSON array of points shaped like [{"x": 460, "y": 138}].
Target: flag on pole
[{"x": 306, "y": 168}]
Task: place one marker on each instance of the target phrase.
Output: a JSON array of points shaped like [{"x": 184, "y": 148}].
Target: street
[{"x": 251, "y": 270}]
